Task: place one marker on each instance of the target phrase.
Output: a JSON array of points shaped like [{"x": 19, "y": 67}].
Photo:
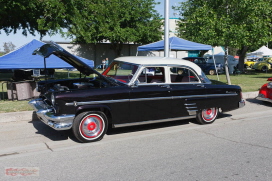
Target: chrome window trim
[
  {"x": 166, "y": 72},
  {"x": 75, "y": 103}
]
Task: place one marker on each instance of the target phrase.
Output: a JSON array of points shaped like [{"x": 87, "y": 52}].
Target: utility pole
[
  {"x": 166, "y": 28},
  {"x": 226, "y": 55},
  {"x": 226, "y": 65}
]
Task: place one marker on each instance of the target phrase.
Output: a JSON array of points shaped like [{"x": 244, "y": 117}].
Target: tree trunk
[
  {"x": 117, "y": 48},
  {"x": 242, "y": 58}
]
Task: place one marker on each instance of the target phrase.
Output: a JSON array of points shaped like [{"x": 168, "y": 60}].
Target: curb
[
  {"x": 247, "y": 95},
  {"x": 17, "y": 116},
  {"x": 31, "y": 116}
]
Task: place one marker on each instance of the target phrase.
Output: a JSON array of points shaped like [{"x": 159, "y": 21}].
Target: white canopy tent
[{"x": 263, "y": 51}]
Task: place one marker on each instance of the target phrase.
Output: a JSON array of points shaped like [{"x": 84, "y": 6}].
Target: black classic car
[
  {"x": 208, "y": 68},
  {"x": 131, "y": 91}
]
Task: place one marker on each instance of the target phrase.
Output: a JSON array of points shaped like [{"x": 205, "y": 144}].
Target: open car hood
[{"x": 53, "y": 48}]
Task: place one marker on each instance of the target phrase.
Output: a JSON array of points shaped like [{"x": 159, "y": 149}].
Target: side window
[
  {"x": 182, "y": 75},
  {"x": 152, "y": 75}
]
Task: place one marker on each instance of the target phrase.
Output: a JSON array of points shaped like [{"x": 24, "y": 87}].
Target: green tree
[
  {"x": 8, "y": 47},
  {"x": 21, "y": 15},
  {"x": 93, "y": 21},
  {"x": 236, "y": 23}
]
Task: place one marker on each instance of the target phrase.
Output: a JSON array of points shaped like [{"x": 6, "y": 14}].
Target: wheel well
[{"x": 103, "y": 109}]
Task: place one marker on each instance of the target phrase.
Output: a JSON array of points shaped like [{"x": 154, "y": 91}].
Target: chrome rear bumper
[
  {"x": 242, "y": 103},
  {"x": 46, "y": 114}
]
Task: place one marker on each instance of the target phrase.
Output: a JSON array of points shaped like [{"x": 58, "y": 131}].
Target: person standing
[
  {"x": 107, "y": 62},
  {"x": 103, "y": 64}
]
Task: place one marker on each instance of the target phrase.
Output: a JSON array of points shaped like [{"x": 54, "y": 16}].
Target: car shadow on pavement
[
  {"x": 47, "y": 131},
  {"x": 259, "y": 102},
  {"x": 113, "y": 131},
  {"x": 121, "y": 130},
  {"x": 223, "y": 115},
  {"x": 54, "y": 135}
]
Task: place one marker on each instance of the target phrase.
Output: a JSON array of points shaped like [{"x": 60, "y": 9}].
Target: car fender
[
  {"x": 264, "y": 90},
  {"x": 261, "y": 64},
  {"x": 103, "y": 108}
]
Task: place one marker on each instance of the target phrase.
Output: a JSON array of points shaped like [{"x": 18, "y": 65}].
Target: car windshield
[{"x": 121, "y": 71}]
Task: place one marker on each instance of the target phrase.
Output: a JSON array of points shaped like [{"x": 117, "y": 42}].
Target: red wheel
[
  {"x": 90, "y": 126},
  {"x": 207, "y": 116}
]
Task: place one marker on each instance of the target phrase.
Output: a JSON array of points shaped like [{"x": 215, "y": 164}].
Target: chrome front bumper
[
  {"x": 264, "y": 99},
  {"x": 46, "y": 114}
]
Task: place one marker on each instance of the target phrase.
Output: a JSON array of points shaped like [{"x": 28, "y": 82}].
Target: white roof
[{"x": 144, "y": 60}]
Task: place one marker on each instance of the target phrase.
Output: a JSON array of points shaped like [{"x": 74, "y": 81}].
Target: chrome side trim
[
  {"x": 145, "y": 99},
  {"x": 152, "y": 121},
  {"x": 192, "y": 104},
  {"x": 46, "y": 114},
  {"x": 191, "y": 107},
  {"x": 116, "y": 101},
  {"x": 192, "y": 112}
]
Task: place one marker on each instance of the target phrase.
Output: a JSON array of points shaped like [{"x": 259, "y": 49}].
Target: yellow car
[
  {"x": 250, "y": 63},
  {"x": 263, "y": 65}
]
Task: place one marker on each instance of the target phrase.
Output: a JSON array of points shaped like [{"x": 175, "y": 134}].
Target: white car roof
[{"x": 144, "y": 60}]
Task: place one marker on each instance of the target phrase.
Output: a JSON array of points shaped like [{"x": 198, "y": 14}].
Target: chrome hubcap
[
  {"x": 91, "y": 126},
  {"x": 209, "y": 114}
]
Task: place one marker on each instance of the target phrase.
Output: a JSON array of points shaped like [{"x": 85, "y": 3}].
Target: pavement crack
[
  {"x": 48, "y": 147},
  {"x": 8, "y": 154},
  {"x": 250, "y": 144}
]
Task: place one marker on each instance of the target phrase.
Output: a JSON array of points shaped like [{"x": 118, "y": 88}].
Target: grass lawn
[{"x": 249, "y": 82}]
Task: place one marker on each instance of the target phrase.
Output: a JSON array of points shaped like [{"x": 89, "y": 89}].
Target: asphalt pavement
[{"x": 30, "y": 115}]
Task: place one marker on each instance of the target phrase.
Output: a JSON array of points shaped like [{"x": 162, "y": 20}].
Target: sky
[{"x": 19, "y": 40}]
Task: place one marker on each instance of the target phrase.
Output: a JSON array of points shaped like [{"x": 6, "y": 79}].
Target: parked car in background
[
  {"x": 131, "y": 91},
  {"x": 232, "y": 62},
  {"x": 265, "y": 92},
  {"x": 208, "y": 68},
  {"x": 250, "y": 63},
  {"x": 263, "y": 65}
]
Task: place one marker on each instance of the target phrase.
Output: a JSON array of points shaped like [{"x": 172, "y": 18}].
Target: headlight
[
  {"x": 269, "y": 85},
  {"x": 53, "y": 99}
]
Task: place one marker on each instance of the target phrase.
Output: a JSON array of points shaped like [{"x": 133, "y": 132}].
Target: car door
[
  {"x": 150, "y": 102},
  {"x": 151, "y": 98},
  {"x": 188, "y": 93}
]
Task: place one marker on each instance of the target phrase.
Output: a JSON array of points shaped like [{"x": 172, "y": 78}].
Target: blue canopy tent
[
  {"x": 22, "y": 58},
  {"x": 176, "y": 44}
]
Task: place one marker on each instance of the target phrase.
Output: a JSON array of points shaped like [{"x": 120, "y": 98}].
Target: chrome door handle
[{"x": 166, "y": 86}]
